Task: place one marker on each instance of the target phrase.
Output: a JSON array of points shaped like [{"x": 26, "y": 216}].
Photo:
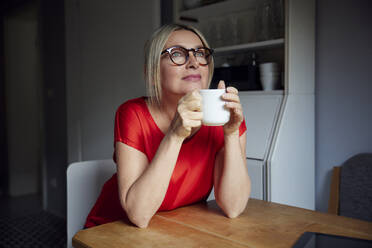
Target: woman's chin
[{"x": 195, "y": 86}]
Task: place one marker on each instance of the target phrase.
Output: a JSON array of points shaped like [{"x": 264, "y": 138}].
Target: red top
[{"x": 192, "y": 178}]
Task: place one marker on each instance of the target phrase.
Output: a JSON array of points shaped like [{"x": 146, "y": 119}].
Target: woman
[{"x": 165, "y": 157}]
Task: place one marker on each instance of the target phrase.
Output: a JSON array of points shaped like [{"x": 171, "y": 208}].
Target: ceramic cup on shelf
[
  {"x": 214, "y": 111},
  {"x": 269, "y": 83},
  {"x": 269, "y": 75}
]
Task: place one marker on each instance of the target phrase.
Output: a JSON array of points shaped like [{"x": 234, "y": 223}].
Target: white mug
[{"x": 215, "y": 112}]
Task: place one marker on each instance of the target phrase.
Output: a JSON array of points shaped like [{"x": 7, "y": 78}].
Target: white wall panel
[
  {"x": 301, "y": 46},
  {"x": 291, "y": 168}
]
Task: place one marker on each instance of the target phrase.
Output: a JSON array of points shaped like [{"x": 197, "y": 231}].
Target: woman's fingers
[
  {"x": 231, "y": 97},
  {"x": 221, "y": 85},
  {"x": 194, "y": 115},
  {"x": 233, "y": 105},
  {"x": 191, "y": 123},
  {"x": 194, "y": 105},
  {"x": 192, "y": 101},
  {"x": 236, "y": 110},
  {"x": 190, "y": 115},
  {"x": 231, "y": 89},
  {"x": 190, "y": 110},
  {"x": 194, "y": 95}
]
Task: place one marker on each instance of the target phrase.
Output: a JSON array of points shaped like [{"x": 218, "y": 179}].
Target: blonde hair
[{"x": 153, "y": 48}]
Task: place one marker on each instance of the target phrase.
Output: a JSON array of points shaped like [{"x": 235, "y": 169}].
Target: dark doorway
[
  {"x": 22, "y": 98},
  {"x": 33, "y": 132}
]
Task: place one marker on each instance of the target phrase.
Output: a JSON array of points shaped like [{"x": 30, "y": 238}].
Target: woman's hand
[
  {"x": 236, "y": 113},
  {"x": 188, "y": 115}
]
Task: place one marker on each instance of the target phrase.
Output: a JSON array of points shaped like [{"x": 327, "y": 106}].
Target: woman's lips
[{"x": 192, "y": 77}]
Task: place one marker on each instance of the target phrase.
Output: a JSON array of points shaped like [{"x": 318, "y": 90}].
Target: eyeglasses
[{"x": 180, "y": 55}]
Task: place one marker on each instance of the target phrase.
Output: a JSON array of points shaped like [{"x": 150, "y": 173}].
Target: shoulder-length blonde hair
[{"x": 153, "y": 48}]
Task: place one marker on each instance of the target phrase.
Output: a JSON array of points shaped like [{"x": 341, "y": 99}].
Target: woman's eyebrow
[{"x": 195, "y": 47}]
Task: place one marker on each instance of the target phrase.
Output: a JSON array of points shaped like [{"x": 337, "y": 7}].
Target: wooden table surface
[{"x": 263, "y": 224}]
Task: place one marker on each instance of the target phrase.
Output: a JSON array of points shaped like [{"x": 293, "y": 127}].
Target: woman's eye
[
  {"x": 199, "y": 54},
  {"x": 177, "y": 54}
]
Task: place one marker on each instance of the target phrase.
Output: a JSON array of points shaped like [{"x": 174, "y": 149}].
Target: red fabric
[{"x": 192, "y": 178}]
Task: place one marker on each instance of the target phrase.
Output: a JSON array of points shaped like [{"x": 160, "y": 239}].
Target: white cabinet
[
  {"x": 280, "y": 124},
  {"x": 261, "y": 111},
  {"x": 256, "y": 170},
  {"x": 256, "y": 173}
]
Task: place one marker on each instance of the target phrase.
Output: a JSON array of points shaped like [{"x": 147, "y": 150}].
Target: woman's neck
[
  {"x": 163, "y": 113},
  {"x": 168, "y": 107}
]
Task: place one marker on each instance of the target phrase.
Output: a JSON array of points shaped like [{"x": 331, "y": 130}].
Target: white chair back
[{"x": 84, "y": 184}]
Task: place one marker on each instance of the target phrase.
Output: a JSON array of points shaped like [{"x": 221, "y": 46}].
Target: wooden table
[{"x": 263, "y": 224}]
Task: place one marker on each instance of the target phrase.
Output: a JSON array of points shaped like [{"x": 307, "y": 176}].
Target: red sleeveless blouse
[{"x": 192, "y": 178}]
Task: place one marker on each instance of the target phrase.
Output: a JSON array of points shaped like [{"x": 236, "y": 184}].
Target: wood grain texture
[
  {"x": 161, "y": 233},
  {"x": 263, "y": 224}
]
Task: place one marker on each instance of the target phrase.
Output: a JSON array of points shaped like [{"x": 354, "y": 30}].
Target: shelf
[
  {"x": 218, "y": 9},
  {"x": 262, "y": 92},
  {"x": 248, "y": 46}
]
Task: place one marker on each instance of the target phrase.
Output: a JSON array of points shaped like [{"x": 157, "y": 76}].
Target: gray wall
[
  {"x": 343, "y": 87},
  {"x": 105, "y": 41},
  {"x": 104, "y": 66}
]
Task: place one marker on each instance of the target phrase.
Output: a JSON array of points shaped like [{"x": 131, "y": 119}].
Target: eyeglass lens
[{"x": 180, "y": 55}]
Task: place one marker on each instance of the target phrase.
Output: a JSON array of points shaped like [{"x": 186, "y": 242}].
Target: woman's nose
[{"x": 192, "y": 61}]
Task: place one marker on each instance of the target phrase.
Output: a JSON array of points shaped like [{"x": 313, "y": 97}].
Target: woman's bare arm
[
  {"x": 231, "y": 180},
  {"x": 143, "y": 185}
]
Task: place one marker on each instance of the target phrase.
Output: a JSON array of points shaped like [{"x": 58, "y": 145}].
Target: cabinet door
[
  {"x": 255, "y": 170},
  {"x": 260, "y": 113}
]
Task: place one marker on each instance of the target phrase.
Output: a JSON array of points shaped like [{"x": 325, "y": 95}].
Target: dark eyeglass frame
[{"x": 187, "y": 52}]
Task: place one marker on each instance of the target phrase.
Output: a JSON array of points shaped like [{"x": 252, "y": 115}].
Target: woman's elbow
[
  {"x": 139, "y": 221},
  {"x": 136, "y": 217},
  {"x": 232, "y": 213},
  {"x": 232, "y": 210}
]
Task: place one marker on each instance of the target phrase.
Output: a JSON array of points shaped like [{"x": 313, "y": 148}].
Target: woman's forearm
[
  {"x": 146, "y": 194},
  {"x": 233, "y": 185}
]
